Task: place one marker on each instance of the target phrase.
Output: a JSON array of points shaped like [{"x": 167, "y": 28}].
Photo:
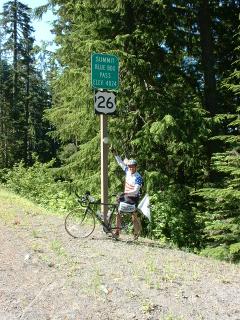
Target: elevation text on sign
[{"x": 104, "y": 73}]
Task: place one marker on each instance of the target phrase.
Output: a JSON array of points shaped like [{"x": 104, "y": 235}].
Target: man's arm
[
  {"x": 118, "y": 159},
  {"x": 121, "y": 163}
]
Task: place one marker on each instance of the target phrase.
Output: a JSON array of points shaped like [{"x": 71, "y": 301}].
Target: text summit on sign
[{"x": 105, "y": 59}]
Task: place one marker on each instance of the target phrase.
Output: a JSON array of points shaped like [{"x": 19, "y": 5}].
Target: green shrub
[
  {"x": 39, "y": 184},
  {"x": 220, "y": 252},
  {"x": 223, "y": 252},
  {"x": 234, "y": 250},
  {"x": 173, "y": 218}
]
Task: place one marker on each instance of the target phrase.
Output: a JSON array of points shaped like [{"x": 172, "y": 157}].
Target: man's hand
[{"x": 113, "y": 150}]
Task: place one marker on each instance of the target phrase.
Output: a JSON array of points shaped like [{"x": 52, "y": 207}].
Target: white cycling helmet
[{"x": 132, "y": 162}]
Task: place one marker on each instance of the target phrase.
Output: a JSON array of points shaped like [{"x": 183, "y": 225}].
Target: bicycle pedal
[{"x": 115, "y": 236}]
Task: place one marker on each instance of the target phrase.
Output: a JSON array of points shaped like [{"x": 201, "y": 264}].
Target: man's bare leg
[
  {"x": 118, "y": 224},
  {"x": 136, "y": 225}
]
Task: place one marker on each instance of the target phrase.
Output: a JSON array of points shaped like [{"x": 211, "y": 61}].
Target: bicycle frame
[
  {"x": 100, "y": 218},
  {"x": 80, "y": 222}
]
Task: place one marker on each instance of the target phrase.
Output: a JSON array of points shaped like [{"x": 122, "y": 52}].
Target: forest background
[{"x": 177, "y": 111}]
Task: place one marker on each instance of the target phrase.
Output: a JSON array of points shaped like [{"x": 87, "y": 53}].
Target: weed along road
[{"x": 46, "y": 274}]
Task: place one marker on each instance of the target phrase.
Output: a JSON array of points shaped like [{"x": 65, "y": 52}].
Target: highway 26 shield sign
[{"x": 104, "y": 102}]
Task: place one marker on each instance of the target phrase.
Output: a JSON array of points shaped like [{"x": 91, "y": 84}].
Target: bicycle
[{"x": 81, "y": 221}]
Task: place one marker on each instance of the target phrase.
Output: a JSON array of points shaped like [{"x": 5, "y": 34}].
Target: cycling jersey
[{"x": 133, "y": 181}]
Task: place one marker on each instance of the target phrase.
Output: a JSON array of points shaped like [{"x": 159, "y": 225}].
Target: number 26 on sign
[{"x": 104, "y": 102}]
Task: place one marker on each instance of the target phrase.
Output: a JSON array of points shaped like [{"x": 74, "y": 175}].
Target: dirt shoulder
[{"x": 45, "y": 274}]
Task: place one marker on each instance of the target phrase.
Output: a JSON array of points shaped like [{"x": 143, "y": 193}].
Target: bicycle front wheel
[{"x": 80, "y": 223}]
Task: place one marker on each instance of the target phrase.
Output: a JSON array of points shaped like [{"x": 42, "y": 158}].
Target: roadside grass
[
  {"x": 58, "y": 248},
  {"x": 15, "y": 209},
  {"x": 37, "y": 247},
  {"x": 171, "y": 316}
]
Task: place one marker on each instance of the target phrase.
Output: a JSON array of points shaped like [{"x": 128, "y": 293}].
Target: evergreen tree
[
  {"x": 29, "y": 94},
  {"x": 5, "y": 107},
  {"x": 222, "y": 200},
  {"x": 17, "y": 27}
]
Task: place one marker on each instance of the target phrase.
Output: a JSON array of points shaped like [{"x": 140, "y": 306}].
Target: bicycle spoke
[{"x": 80, "y": 223}]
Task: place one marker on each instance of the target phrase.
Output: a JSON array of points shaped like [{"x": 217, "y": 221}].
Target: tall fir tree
[
  {"x": 222, "y": 199},
  {"x": 29, "y": 94}
]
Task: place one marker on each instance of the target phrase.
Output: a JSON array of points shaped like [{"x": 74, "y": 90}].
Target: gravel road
[{"x": 45, "y": 274}]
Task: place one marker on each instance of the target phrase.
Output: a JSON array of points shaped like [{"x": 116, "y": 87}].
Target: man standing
[{"x": 133, "y": 184}]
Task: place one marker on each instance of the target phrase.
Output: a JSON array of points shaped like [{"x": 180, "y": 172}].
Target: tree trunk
[
  {"x": 26, "y": 129},
  {"x": 15, "y": 60},
  {"x": 207, "y": 55}
]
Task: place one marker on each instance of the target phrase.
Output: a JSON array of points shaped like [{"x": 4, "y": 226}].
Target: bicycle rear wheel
[{"x": 80, "y": 223}]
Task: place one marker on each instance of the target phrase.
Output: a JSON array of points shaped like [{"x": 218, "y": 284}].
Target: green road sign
[{"x": 104, "y": 71}]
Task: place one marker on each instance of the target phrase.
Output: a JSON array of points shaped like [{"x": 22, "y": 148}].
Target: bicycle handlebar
[{"x": 87, "y": 199}]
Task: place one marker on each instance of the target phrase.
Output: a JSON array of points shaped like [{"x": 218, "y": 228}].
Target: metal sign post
[
  {"x": 104, "y": 76},
  {"x": 104, "y": 164}
]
